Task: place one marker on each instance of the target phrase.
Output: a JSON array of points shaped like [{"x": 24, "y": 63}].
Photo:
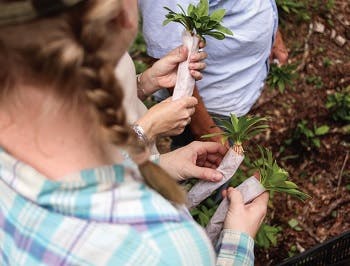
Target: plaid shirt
[{"x": 101, "y": 216}]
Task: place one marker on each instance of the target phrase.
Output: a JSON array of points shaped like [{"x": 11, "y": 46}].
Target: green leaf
[
  {"x": 218, "y": 14},
  {"x": 211, "y": 135},
  {"x": 224, "y": 30},
  {"x": 203, "y": 8},
  {"x": 217, "y": 35},
  {"x": 190, "y": 9},
  {"x": 293, "y": 223},
  {"x": 322, "y": 130}
]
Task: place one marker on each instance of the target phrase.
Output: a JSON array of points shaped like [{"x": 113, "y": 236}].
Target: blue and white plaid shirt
[{"x": 101, "y": 216}]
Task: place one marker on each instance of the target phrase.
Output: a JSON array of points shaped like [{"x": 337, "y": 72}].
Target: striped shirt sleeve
[{"x": 235, "y": 248}]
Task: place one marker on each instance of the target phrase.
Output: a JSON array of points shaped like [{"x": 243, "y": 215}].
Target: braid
[{"x": 106, "y": 96}]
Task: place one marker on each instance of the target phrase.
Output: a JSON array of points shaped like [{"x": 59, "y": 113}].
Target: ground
[{"x": 322, "y": 64}]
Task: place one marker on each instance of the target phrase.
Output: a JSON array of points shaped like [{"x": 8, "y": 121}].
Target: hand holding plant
[
  {"x": 197, "y": 23},
  {"x": 272, "y": 178}
]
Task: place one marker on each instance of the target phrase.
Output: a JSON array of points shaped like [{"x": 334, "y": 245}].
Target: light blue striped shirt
[
  {"x": 101, "y": 216},
  {"x": 237, "y": 66}
]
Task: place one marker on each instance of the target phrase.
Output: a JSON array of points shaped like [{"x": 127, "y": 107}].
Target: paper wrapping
[
  {"x": 250, "y": 189},
  {"x": 203, "y": 189},
  {"x": 184, "y": 81},
  {"x": 216, "y": 222}
]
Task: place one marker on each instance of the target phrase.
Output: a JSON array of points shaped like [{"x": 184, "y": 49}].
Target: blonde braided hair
[{"x": 73, "y": 53}]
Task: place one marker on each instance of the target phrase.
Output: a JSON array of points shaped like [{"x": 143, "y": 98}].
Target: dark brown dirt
[{"x": 318, "y": 170}]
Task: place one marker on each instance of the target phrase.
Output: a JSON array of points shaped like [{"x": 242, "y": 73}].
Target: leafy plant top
[
  {"x": 197, "y": 20},
  {"x": 339, "y": 105},
  {"x": 274, "y": 178},
  {"x": 239, "y": 129},
  {"x": 281, "y": 77}
]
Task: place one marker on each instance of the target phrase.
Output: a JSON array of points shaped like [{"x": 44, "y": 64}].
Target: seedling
[
  {"x": 339, "y": 105},
  {"x": 267, "y": 236},
  {"x": 309, "y": 137},
  {"x": 298, "y": 8},
  {"x": 280, "y": 77},
  {"x": 237, "y": 131},
  {"x": 273, "y": 178},
  {"x": 198, "y": 23}
]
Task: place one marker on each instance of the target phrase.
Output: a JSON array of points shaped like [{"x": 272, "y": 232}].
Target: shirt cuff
[
  {"x": 155, "y": 158},
  {"x": 235, "y": 248}
]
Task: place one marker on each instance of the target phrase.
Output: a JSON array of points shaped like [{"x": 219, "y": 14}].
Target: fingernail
[{"x": 217, "y": 177}]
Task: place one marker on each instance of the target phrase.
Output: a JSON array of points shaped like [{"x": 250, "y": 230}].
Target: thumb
[
  {"x": 177, "y": 55},
  {"x": 190, "y": 101},
  {"x": 235, "y": 197},
  {"x": 205, "y": 173}
]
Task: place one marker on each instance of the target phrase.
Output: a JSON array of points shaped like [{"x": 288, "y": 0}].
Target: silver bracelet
[{"x": 140, "y": 134}]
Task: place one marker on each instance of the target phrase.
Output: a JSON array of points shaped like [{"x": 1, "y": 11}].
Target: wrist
[
  {"x": 147, "y": 83},
  {"x": 141, "y": 134},
  {"x": 147, "y": 128}
]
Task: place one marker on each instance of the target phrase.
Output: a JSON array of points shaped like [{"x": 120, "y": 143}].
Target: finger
[
  {"x": 209, "y": 165},
  {"x": 257, "y": 175},
  {"x": 196, "y": 75},
  {"x": 197, "y": 57},
  {"x": 202, "y": 44},
  {"x": 197, "y": 66},
  {"x": 177, "y": 55},
  {"x": 189, "y": 102},
  {"x": 167, "y": 100},
  {"x": 210, "y": 148},
  {"x": 235, "y": 197},
  {"x": 207, "y": 174},
  {"x": 214, "y": 158},
  {"x": 262, "y": 199},
  {"x": 191, "y": 111},
  {"x": 260, "y": 203}
]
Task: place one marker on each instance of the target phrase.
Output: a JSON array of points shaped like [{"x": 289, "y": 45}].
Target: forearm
[
  {"x": 235, "y": 248},
  {"x": 202, "y": 123},
  {"x": 146, "y": 84}
]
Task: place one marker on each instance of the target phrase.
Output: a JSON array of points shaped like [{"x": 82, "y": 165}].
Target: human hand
[
  {"x": 163, "y": 73},
  {"x": 245, "y": 218},
  {"x": 279, "y": 50},
  {"x": 168, "y": 118},
  {"x": 198, "y": 160}
]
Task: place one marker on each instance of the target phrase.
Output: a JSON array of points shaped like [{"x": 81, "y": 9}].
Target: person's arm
[
  {"x": 235, "y": 248},
  {"x": 242, "y": 222},
  {"x": 201, "y": 122},
  {"x": 279, "y": 50}
]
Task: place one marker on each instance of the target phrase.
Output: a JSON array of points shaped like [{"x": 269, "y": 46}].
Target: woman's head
[{"x": 71, "y": 54}]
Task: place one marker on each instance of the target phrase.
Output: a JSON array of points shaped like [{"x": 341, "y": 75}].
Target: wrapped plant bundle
[
  {"x": 203, "y": 189},
  {"x": 239, "y": 130},
  {"x": 273, "y": 178},
  {"x": 184, "y": 80},
  {"x": 197, "y": 23}
]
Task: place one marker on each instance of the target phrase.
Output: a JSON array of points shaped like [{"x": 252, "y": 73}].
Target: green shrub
[
  {"x": 339, "y": 105},
  {"x": 280, "y": 77}
]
